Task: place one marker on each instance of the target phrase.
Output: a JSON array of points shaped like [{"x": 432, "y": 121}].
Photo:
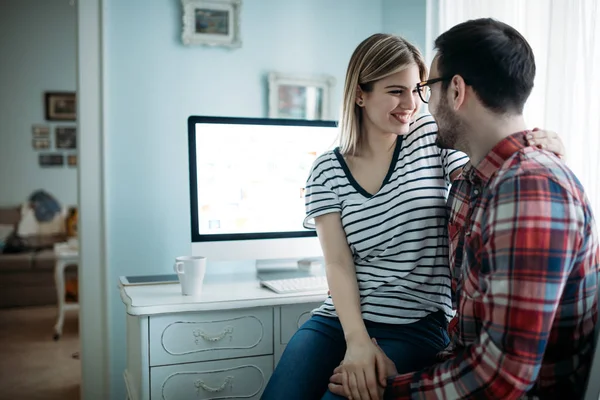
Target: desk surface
[{"x": 224, "y": 292}]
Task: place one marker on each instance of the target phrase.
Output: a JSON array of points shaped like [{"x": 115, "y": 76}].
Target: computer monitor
[{"x": 247, "y": 178}]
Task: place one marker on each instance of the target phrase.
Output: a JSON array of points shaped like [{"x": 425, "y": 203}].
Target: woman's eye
[{"x": 396, "y": 91}]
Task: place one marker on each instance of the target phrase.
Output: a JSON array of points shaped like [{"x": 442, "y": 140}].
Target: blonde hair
[{"x": 375, "y": 58}]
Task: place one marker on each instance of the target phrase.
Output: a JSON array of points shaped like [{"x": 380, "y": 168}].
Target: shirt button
[{"x": 476, "y": 192}]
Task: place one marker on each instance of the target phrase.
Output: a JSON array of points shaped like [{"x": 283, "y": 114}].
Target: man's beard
[{"x": 449, "y": 126}]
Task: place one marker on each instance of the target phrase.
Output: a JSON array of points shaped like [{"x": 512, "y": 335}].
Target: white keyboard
[{"x": 291, "y": 285}]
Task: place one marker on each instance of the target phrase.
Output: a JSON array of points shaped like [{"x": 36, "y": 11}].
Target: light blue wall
[
  {"x": 37, "y": 54},
  {"x": 153, "y": 83},
  {"x": 407, "y": 19}
]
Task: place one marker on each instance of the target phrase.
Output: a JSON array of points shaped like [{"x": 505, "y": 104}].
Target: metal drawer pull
[
  {"x": 200, "y": 333},
  {"x": 200, "y": 384}
]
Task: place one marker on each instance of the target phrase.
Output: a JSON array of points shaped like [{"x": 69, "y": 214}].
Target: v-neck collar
[{"x": 353, "y": 181}]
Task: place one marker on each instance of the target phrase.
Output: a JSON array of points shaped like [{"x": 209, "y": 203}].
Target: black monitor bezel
[{"x": 193, "y": 178}]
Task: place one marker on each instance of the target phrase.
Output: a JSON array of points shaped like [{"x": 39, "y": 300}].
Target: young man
[{"x": 524, "y": 245}]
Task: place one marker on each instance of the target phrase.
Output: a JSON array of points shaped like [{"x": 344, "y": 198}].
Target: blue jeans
[{"x": 318, "y": 347}]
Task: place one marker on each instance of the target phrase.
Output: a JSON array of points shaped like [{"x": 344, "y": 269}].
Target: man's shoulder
[{"x": 531, "y": 163}]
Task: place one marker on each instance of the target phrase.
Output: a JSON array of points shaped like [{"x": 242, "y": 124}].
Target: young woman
[{"x": 378, "y": 203}]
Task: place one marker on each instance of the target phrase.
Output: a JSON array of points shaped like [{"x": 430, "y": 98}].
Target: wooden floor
[{"x": 32, "y": 365}]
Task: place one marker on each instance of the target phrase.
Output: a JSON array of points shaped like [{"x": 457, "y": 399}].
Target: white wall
[
  {"x": 37, "y": 54},
  {"x": 407, "y": 19}
]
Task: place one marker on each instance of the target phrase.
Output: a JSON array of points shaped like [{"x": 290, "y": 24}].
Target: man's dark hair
[{"x": 493, "y": 58}]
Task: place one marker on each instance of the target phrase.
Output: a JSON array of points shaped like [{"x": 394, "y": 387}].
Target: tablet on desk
[{"x": 148, "y": 279}]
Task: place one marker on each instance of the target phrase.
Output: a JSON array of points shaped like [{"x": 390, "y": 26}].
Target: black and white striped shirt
[{"x": 398, "y": 237}]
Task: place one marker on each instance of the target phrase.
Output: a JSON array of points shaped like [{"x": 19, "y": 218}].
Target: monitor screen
[{"x": 247, "y": 175}]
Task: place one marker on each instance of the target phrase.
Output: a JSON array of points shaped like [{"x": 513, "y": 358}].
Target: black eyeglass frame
[{"x": 421, "y": 86}]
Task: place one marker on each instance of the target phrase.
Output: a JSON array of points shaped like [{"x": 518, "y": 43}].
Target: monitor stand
[{"x": 288, "y": 268}]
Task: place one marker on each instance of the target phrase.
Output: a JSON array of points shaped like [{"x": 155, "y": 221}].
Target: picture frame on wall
[
  {"x": 72, "y": 160},
  {"x": 211, "y": 22},
  {"x": 300, "y": 97},
  {"x": 60, "y": 106},
  {"x": 51, "y": 160},
  {"x": 40, "y": 131},
  {"x": 66, "y": 137},
  {"x": 40, "y": 143}
]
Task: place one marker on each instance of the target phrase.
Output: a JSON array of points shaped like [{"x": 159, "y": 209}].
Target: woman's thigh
[
  {"x": 411, "y": 347},
  {"x": 308, "y": 361},
  {"x": 414, "y": 346}
]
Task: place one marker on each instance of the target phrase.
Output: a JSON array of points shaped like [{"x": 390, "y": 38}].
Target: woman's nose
[{"x": 409, "y": 102}]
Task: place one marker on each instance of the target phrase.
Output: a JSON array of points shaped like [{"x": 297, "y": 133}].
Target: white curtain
[{"x": 565, "y": 37}]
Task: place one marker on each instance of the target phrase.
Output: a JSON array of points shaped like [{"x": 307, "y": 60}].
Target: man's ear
[
  {"x": 458, "y": 89},
  {"x": 359, "y": 100}
]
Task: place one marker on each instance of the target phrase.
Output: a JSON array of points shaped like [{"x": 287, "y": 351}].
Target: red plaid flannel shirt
[{"x": 524, "y": 254}]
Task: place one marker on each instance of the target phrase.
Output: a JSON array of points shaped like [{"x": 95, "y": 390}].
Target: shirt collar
[{"x": 495, "y": 158}]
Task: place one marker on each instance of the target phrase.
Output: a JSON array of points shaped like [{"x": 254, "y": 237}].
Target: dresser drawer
[
  {"x": 241, "y": 378},
  {"x": 292, "y": 317},
  {"x": 209, "y": 336}
]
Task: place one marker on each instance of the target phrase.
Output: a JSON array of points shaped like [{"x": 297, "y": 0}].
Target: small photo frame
[
  {"x": 72, "y": 160},
  {"x": 66, "y": 137},
  {"x": 61, "y": 106},
  {"x": 40, "y": 143},
  {"x": 211, "y": 22},
  {"x": 40, "y": 131},
  {"x": 51, "y": 160},
  {"x": 300, "y": 97}
]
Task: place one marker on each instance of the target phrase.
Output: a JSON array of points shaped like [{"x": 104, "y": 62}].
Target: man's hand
[{"x": 340, "y": 381}]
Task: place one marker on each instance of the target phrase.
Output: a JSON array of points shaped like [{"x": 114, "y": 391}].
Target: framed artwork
[
  {"x": 60, "y": 106},
  {"x": 211, "y": 22},
  {"x": 300, "y": 97},
  {"x": 51, "y": 160},
  {"x": 40, "y": 143},
  {"x": 66, "y": 137},
  {"x": 72, "y": 160},
  {"x": 40, "y": 131}
]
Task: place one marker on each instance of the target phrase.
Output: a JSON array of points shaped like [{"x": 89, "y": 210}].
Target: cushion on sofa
[{"x": 30, "y": 226}]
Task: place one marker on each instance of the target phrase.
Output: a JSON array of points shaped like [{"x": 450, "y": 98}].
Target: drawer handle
[
  {"x": 200, "y": 333},
  {"x": 201, "y": 384}
]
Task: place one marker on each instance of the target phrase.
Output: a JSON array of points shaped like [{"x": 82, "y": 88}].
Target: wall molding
[{"x": 93, "y": 319}]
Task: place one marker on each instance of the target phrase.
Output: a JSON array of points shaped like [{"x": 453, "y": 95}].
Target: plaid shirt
[{"x": 525, "y": 258}]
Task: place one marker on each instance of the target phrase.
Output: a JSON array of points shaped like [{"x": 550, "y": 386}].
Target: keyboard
[{"x": 293, "y": 285}]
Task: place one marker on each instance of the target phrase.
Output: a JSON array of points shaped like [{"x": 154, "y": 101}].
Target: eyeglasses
[{"x": 424, "y": 88}]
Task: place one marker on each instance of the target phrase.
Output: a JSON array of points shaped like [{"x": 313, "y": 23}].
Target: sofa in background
[{"x": 27, "y": 277}]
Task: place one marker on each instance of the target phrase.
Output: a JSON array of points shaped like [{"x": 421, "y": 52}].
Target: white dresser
[{"x": 223, "y": 345}]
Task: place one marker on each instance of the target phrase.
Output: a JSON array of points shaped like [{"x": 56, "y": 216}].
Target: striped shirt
[
  {"x": 398, "y": 236},
  {"x": 525, "y": 257}
]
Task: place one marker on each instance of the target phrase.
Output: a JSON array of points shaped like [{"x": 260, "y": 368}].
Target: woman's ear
[{"x": 359, "y": 100}]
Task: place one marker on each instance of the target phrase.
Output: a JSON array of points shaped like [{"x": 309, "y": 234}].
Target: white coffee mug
[{"x": 190, "y": 270}]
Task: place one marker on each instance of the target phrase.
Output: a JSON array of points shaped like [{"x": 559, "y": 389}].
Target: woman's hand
[
  {"x": 547, "y": 140},
  {"x": 363, "y": 370},
  {"x": 336, "y": 384}
]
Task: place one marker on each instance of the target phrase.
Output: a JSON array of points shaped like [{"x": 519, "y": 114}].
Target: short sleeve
[
  {"x": 452, "y": 160},
  {"x": 319, "y": 196}
]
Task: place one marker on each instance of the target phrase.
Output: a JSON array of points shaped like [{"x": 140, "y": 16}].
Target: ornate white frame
[
  {"x": 189, "y": 35},
  {"x": 324, "y": 82}
]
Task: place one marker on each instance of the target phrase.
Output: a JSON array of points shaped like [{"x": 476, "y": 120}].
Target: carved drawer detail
[
  {"x": 210, "y": 336},
  {"x": 243, "y": 378}
]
